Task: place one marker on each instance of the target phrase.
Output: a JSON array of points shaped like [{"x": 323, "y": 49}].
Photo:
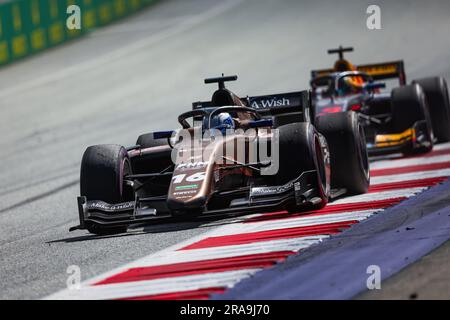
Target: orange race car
[{"x": 409, "y": 118}]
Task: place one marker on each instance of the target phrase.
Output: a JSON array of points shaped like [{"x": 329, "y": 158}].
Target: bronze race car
[{"x": 232, "y": 155}]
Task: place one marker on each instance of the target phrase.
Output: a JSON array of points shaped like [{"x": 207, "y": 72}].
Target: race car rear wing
[
  {"x": 274, "y": 104},
  {"x": 385, "y": 70},
  {"x": 378, "y": 71}
]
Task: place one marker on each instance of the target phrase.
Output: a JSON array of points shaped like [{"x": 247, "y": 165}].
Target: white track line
[
  {"x": 409, "y": 162},
  {"x": 302, "y": 221},
  {"x": 158, "y": 286},
  {"x": 409, "y": 176},
  {"x": 307, "y": 220},
  {"x": 376, "y": 196},
  {"x": 441, "y": 146},
  {"x": 290, "y": 244},
  {"x": 398, "y": 157}
]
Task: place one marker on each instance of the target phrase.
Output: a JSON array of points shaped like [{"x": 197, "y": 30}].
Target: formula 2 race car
[
  {"x": 232, "y": 155},
  {"x": 409, "y": 119}
]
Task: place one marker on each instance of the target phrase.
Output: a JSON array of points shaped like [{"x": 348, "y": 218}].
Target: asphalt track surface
[{"x": 137, "y": 76}]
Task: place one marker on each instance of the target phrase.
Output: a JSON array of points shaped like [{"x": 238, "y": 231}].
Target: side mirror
[
  {"x": 163, "y": 134},
  {"x": 375, "y": 85},
  {"x": 260, "y": 123}
]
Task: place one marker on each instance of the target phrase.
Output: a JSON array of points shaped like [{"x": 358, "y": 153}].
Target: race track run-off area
[{"x": 217, "y": 260}]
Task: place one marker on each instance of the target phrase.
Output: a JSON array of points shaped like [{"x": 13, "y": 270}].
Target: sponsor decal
[
  {"x": 192, "y": 165},
  {"x": 264, "y": 191},
  {"x": 270, "y": 103},
  {"x": 325, "y": 149},
  {"x": 189, "y": 186},
  {"x": 183, "y": 193},
  {"x": 183, "y": 197},
  {"x": 380, "y": 69},
  {"x": 103, "y": 206}
]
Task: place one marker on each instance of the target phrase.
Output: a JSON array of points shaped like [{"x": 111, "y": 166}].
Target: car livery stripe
[{"x": 216, "y": 260}]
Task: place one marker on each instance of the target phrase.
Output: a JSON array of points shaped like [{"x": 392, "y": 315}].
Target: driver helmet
[
  {"x": 222, "y": 122},
  {"x": 343, "y": 65},
  {"x": 351, "y": 84}
]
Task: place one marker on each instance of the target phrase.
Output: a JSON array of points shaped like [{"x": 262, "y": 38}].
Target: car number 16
[{"x": 198, "y": 176}]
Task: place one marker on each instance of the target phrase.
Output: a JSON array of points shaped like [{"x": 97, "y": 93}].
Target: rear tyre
[
  {"x": 348, "y": 152},
  {"x": 436, "y": 93},
  {"x": 102, "y": 170},
  {"x": 409, "y": 105},
  {"x": 300, "y": 150}
]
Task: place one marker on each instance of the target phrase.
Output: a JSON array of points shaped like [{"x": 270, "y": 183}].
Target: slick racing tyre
[
  {"x": 102, "y": 170},
  {"x": 348, "y": 152},
  {"x": 300, "y": 150},
  {"x": 436, "y": 93},
  {"x": 409, "y": 105}
]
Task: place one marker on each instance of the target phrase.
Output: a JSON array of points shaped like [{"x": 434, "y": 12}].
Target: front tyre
[
  {"x": 436, "y": 93},
  {"x": 300, "y": 151},
  {"x": 103, "y": 168},
  {"x": 409, "y": 106},
  {"x": 348, "y": 151}
]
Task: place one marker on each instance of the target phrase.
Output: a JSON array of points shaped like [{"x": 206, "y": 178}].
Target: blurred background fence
[{"x": 30, "y": 26}]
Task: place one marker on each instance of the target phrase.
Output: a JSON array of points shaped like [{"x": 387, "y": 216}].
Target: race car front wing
[
  {"x": 410, "y": 139},
  {"x": 301, "y": 191}
]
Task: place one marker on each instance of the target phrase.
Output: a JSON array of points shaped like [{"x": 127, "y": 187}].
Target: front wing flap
[{"x": 411, "y": 138}]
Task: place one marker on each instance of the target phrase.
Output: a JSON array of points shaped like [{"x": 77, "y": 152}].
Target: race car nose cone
[{"x": 188, "y": 205}]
